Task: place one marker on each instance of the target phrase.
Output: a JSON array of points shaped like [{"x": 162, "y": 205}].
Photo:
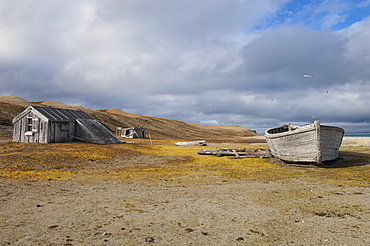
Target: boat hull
[{"x": 310, "y": 143}]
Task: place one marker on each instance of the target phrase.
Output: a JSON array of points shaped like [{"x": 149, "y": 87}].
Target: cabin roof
[
  {"x": 59, "y": 114},
  {"x": 55, "y": 114},
  {"x": 133, "y": 128}
]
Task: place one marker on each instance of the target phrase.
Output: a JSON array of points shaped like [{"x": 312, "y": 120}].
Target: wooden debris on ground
[
  {"x": 200, "y": 143},
  {"x": 237, "y": 153}
]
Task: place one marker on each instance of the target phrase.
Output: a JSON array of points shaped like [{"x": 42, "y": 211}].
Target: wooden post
[{"x": 318, "y": 142}]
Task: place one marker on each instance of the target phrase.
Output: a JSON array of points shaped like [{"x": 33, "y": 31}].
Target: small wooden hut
[
  {"x": 55, "y": 125},
  {"x": 131, "y": 132}
]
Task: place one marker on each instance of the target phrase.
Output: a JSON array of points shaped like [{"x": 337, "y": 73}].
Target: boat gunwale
[{"x": 302, "y": 129}]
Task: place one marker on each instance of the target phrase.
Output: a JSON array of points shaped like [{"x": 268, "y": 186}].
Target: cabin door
[{"x": 64, "y": 132}]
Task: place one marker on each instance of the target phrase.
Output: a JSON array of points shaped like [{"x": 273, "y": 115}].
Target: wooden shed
[
  {"x": 132, "y": 132},
  {"x": 55, "y": 125}
]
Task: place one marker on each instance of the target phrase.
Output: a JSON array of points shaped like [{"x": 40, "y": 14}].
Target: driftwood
[
  {"x": 200, "y": 143},
  {"x": 237, "y": 153}
]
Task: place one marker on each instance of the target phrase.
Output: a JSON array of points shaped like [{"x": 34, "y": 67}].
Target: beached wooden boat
[{"x": 309, "y": 143}]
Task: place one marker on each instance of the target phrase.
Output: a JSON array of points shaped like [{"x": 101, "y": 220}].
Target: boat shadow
[{"x": 345, "y": 159}]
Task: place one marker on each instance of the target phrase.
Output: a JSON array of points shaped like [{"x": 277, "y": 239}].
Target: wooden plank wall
[
  {"x": 36, "y": 134},
  {"x": 43, "y": 131}
]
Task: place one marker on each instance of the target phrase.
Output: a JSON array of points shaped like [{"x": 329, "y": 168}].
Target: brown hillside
[{"x": 158, "y": 128}]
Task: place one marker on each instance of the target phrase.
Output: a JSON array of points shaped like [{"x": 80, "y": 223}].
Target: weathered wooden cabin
[
  {"x": 55, "y": 125},
  {"x": 131, "y": 132}
]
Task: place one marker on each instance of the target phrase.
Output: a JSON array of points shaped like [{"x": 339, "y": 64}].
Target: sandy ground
[{"x": 297, "y": 211}]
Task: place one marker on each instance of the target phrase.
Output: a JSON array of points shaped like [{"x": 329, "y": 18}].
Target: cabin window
[{"x": 29, "y": 124}]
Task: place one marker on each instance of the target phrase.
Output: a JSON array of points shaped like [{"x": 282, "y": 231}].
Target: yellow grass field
[{"x": 145, "y": 162}]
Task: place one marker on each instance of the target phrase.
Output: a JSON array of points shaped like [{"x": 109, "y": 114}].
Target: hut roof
[
  {"x": 95, "y": 132},
  {"x": 59, "y": 114},
  {"x": 55, "y": 114}
]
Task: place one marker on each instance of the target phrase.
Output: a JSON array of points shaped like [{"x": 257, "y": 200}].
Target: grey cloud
[
  {"x": 174, "y": 59},
  {"x": 281, "y": 57}
]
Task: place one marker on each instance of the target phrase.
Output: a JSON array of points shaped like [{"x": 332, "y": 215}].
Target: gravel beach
[{"x": 306, "y": 209}]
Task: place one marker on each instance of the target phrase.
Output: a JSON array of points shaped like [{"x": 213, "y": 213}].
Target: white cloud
[{"x": 363, "y": 4}]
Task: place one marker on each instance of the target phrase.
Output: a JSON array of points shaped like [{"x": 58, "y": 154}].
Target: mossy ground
[{"x": 150, "y": 161}]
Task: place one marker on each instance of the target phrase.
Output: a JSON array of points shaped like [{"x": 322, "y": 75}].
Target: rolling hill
[{"x": 158, "y": 128}]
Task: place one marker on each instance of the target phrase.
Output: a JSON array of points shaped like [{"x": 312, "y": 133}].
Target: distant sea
[{"x": 363, "y": 134}]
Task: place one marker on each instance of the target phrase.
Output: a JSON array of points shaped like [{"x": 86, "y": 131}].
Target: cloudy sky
[{"x": 207, "y": 62}]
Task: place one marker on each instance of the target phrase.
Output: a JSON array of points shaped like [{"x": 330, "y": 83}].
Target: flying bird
[
  {"x": 327, "y": 91},
  {"x": 308, "y": 76},
  {"x": 212, "y": 104},
  {"x": 313, "y": 116}
]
